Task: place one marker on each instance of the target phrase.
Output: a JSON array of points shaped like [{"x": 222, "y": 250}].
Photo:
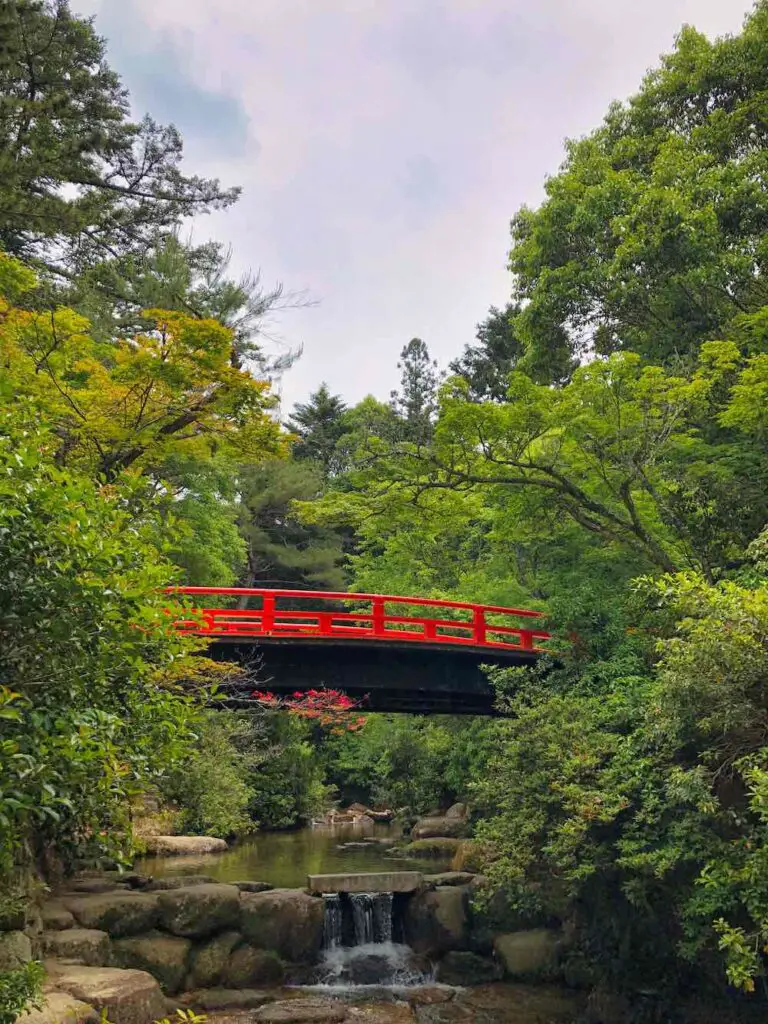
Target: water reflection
[{"x": 284, "y": 859}]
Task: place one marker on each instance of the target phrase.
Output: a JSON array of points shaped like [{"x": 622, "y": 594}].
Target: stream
[{"x": 284, "y": 859}]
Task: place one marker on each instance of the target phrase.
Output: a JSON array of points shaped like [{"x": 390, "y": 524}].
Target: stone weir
[{"x": 379, "y": 881}]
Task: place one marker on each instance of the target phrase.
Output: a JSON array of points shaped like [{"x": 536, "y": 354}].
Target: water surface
[{"x": 284, "y": 859}]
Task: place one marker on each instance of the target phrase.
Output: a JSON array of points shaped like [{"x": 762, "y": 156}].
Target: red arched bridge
[{"x": 392, "y": 653}]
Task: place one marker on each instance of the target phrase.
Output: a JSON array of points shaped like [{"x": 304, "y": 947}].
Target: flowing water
[{"x": 284, "y": 859}]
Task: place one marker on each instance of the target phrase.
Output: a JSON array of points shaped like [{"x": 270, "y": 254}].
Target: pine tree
[
  {"x": 486, "y": 366},
  {"x": 416, "y": 401},
  {"x": 320, "y": 425},
  {"x": 80, "y": 183}
]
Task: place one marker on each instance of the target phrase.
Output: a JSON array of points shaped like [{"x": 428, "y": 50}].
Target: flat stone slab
[
  {"x": 379, "y": 881},
  {"x": 166, "y": 846}
]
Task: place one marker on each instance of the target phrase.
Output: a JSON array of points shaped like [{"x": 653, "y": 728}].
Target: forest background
[{"x": 598, "y": 451}]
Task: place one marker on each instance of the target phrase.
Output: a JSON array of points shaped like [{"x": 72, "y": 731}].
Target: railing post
[
  {"x": 267, "y": 613},
  {"x": 526, "y": 640},
  {"x": 478, "y": 616},
  {"x": 378, "y": 616}
]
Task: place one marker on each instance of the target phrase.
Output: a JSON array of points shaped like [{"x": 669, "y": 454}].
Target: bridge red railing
[{"x": 474, "y": 625}]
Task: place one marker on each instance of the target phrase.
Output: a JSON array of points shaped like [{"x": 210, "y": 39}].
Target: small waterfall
[
  {"x": 333, "y": 921},
  {"x": 382, "y": 917},
  {"x": 362, "y": 916}
]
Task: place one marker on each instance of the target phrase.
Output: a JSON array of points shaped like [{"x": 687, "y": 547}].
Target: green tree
[
  {"x": 416, "y": 401},
  {"x": 652, "y": 236},
  {"x": 281, "y": 550},
  {"x": 320, "y": 425},
  {"x": 486, "y": 366},
  {"x": 81, "y": 183}
]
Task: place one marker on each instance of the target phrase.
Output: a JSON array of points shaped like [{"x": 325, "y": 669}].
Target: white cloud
[{"x": 390, "y": 141}]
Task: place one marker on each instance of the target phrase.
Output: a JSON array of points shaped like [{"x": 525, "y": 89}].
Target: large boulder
[
  {"x": 249, "y": 966},
  {"x": 528, "y": 954},
  {"x": 460, "y": 967},
  {"x": 287, "y": 921},
  {"x": 127, "y": 997},
  {"x": 55, "y": 916},
  {"x": 450, "y": 878},
  {"x": 163, "y": 956},
  {"x": 199, "y": 910},
  {"x": 184, "y": 846},
  {"x": 208, "y": 961},
  {"x": 61, "y": 1008},
  {"x": 439, "y": 848},
  {"x": 253, "y": 886},
  {"x": 225, "y": 999},
  {"x": 119, "y": 913},
  {"x": 303, "y": 1011},
  {"x": 86, "y": 945},
  {"x": 458, "y": 811},
  {"x": 15, "y": 950},
  {"x": 431, "y": 828},
  {"x": 436, "y": 921}
]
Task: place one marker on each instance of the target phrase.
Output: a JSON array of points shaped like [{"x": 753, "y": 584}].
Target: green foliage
[
  {"x": 487, "y": 365},
  {"x": 287, "y": 778},
  {"x": 319, "y": 425},
  {"x": 20, "y": 990},
  {"x": 85, "y": 643},
  {"x": 81, "y": 183},
  {"x": 652, "y": 236}
]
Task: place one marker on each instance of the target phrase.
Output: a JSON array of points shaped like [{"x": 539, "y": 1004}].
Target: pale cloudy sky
[{"x": 383, "y": 145}]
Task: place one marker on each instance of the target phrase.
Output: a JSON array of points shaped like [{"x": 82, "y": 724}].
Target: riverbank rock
[
  {"x": 209, "y": 961},
  {"x": 224, "y": 999},
  {"x": 177, "y": 882},
  {"x": 436, "y": 921},
  {"x": 199, "y": 910},
  {"x": 528, "y": 954},
  {"x": 460, "y": 967},
  {"x": 432, "y": 828},
  {"x": 15, "y": 950},
  {"x": 163, "y": 956},
  {"x": 181, "y": 846},
  {"x": 288, "y": 921},
  {"x": 250, "y": 966},
  {"x": 439, "y": 848},
  {"x": 61, "y": 1008},
  {"x": 128, "y": 997},
  {"x": 450, "y": 878},
  {"x": 55, "y": 916},
  {"x": 458, "y": 811},
  {"x": 301, "y": 1011},
  {"x": 86, "y": 945},
  {"x": 253, "y": 886},
  {"x": 119, "y": 913}
]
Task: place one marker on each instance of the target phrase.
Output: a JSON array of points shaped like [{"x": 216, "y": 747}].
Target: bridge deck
[{"x": 379, "y": 652}]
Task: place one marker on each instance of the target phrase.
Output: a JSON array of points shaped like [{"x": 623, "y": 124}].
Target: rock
[
  {"x": 450, "y": 878},
  {"x": 224, "y": 999},
  {"x": 15, "y": 950},
  {"x": 250, "y": 966},
  {"x": 377, "y": 881},
  {"x": 440, "y": 848},
  {"x": 521, "y": 1004},
  {"x": 55, "y": 916},
  {"x": 531, "y": 953},
  {"x": 458, "y": 811},
  {"x": 95, "y": 885},
  {"x": 208, "y": 961},
  {"x": 61, "y": 1008},
  {"x": 431, "y": 828},
  {"x": 429, "y": 995},
  {"x": 463, "y": 968},
  {"x": 253, "y": 886},
  {"x": 168, "y": 846},
  {"x": 177, "y": 882},
  {"x": 199, "y": 910},
  {"x": 163, "y": 956},
  {"x": 301, "y": 1011},
  {"x": 436, "y": 921},
  {"x": 128, "y": 997},
  {"x": 119, "y": 913},
  {"x": 469, "y": 856},
  {"x": 87, "y": 945},
  {"x": 286, "y": 920}
]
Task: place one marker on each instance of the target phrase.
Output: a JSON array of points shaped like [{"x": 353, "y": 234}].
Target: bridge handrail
[
  {"x": 330, "y": 595},
  {"x": 373, "y": 624}
]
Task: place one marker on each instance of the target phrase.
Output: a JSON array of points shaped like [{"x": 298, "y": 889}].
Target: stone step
[{"x": 378, "y": 881}]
